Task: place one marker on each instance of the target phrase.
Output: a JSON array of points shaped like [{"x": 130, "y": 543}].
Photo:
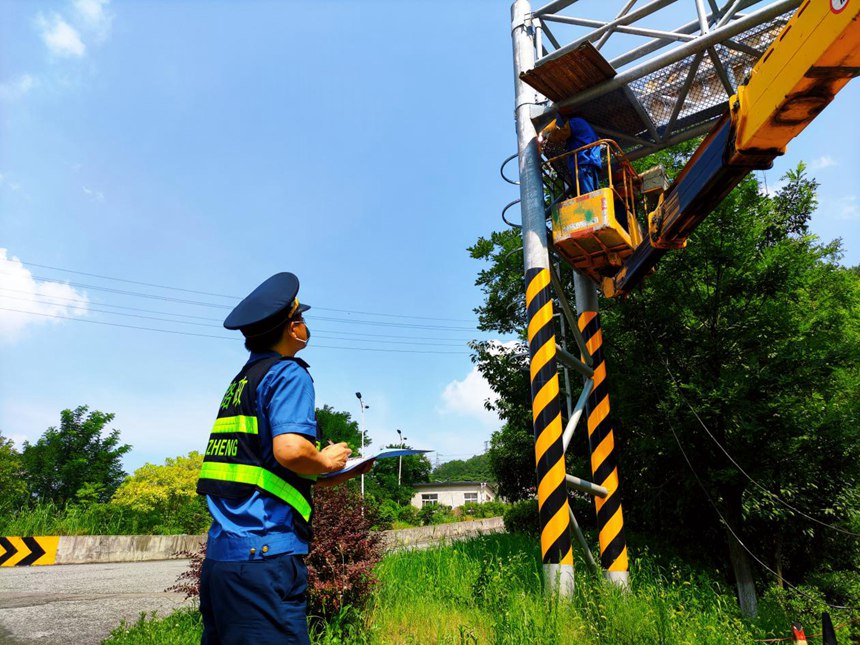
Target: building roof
[{"x": 458, "y": 483}]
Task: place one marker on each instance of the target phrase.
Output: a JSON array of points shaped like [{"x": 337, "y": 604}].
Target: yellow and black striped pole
[
  {"x": 601, "y": 442},
  {"x": 546, "y": 414},
  {"x": 549, "y": 452}
]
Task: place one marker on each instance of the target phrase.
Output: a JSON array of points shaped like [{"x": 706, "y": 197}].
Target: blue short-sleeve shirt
[{"x": 285, "y": 404}]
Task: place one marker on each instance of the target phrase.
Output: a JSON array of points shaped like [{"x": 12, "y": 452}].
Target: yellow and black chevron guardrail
[
  {"x": 601, "y": 441},
  {"x": 546, "y": 411},
  {"x": 26, "y": 551}
]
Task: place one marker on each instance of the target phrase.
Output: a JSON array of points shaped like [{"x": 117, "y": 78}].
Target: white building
[{"x": 453, "y": 494}]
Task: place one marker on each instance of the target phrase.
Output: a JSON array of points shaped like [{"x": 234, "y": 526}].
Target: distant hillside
[{"x": 476, "y": 468}]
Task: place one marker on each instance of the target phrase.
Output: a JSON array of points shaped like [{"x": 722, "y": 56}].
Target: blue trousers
[
  {"x": 254, "y": 602},
  {"x": 587, "y": 178}
]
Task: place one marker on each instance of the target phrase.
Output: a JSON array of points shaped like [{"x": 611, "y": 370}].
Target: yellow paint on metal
[
  {"x": 557, "y": 525},
  {"x": 814, "y": 56},
  {"x": 598, "y": 414},
  {"x": 542, "y": 357},
  {"x": 602, "y": 452},
  {"x": 542, "y": 317},
  {"x": 47, "y": 543},
  {"x": 612, "y": 527},
  {"x": 539, "y": 282},
  {"x": 599, "y": 374},
  {"x": 546, "y": 439},
  {"x": 552, "y": 480},
  {"x": 545, "y": 396},
  {"x": 595, "y": 342},
  {"x": 620, "y": 563}
]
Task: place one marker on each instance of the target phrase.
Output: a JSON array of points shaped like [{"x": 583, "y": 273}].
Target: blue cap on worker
[{"x": 268, "y": 306}]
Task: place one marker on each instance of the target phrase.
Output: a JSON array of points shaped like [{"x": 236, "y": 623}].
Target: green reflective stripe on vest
[
  {"x": 260, "y": 477},
  {"x": 246, "y": 425},
  {"x": 313, "y": 478}
]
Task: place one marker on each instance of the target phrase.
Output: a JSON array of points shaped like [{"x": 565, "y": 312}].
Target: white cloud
[
  {"x": 823, "y": 162},
  {"x": 60, "y": 37},
  {"x": 20, "y": 291},
  {"x": 94, "y": 195},
  {"x": 11, "y": 185},
  {"x": 18, "y": 88},
  {"x": 93, "y": 17},
  {"x": 770, "y": 190},
  {"x": 849, "y": 207},
  {"x": 466, "y": 398}
]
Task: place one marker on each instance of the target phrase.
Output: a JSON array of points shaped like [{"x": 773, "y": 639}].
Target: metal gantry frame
[
  {"x": 678, "y": 81},
  {"x": 648, "y": 96}
]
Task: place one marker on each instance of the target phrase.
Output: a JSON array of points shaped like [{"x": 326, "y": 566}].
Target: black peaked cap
[{"x": 267, "y": 306}]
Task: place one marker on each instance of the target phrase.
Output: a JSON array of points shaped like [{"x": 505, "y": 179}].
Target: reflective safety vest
[{"x": 233, "y": 464}]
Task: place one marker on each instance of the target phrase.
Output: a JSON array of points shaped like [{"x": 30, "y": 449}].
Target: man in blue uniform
[
  {"x": 575, "y": 133},
  {"x": 260, "y": 464}
]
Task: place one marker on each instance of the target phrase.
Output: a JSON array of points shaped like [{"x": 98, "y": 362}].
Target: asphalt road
[{"x": 82, "y": 603}]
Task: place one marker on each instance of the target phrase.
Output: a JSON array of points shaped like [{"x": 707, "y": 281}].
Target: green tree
[
  {"x": 166, "y": 494},
  {"x": 338, "y": 426},
  {"x": 75, "y": 458},
  {"x": 754, "y": 326},
  {"x": 752, "y": 336},
  {"x": 13, "y": 483},
  {"x": 382, "y": 481},
  {"x": 475, "y": 468}
]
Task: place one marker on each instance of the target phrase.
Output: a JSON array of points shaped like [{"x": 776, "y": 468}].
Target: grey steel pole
[
  {"x": 361, "y": 403},
  {"x": 554, "y": 509},
  {"x": 601, "y": 441}
]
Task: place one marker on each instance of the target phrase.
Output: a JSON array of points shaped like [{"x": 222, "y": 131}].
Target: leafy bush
[
  {"x": 342, "y": 556},
  {"x": 487, "y": 509},
  {"x": 408, "y": 515},
  {"x": 435, "y": 514},
  {"x": 388, "y": 512},
  {"x": 522, "y": 517},
  {"x": 166, "y": 496},
  {"x": 343, "y": 553},
  {"x": 188, "y": 582}
]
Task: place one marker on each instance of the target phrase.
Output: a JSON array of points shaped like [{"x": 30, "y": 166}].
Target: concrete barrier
[
  {"x": 421, "y": 536},
  {"x": 86, "y": 549}
]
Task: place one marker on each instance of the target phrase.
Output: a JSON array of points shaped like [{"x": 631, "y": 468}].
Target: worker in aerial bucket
[{"x": 571, "y": 134}]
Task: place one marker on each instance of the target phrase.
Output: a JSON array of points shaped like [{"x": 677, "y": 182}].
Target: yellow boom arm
[{"x": 815, "y": 55}]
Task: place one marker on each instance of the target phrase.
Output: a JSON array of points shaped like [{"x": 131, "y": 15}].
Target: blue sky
[{"x": 207, "y": 145}]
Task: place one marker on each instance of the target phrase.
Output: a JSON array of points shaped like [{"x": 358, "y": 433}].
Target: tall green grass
[
  {"x": 489, "y": 590},
  {"x": 46, "y": 518}
]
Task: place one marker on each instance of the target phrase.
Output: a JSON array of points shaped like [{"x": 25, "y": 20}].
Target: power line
[
  {"x": 740, "y": 468},
  {"x": 151, "y": 296},
  {"x": 185, "y": 333},
  {"x": 221, "y": 295},
  {"x": 735, "y": 535},
  {"x": 53, "y": 300}
]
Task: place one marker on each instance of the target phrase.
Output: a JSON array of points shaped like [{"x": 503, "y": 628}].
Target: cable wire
[
  {"x": 139, "y": 294},
  {"x": 53, "y": 301},
  {"x": 222, "y": 295},
  {"x": 735, "y": 535},
  {"x": 740, "y": 468},
  {"x": 186, "y": 333}
]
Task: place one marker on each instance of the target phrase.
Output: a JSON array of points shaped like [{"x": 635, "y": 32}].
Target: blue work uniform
[
  {"x": 253, "y": 582},
  {"x": 581, "y": 134}
]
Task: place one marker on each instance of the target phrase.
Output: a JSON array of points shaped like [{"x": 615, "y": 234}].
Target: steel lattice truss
[{"x": 638, "y": 83}]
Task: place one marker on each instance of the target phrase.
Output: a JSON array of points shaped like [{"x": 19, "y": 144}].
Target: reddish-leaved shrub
[{"x": 343, "y": 553}]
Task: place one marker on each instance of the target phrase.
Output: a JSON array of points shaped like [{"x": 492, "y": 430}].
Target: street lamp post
[
  {"x": 400, "y": 458},
  {"x": 363, "y": 407}
]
